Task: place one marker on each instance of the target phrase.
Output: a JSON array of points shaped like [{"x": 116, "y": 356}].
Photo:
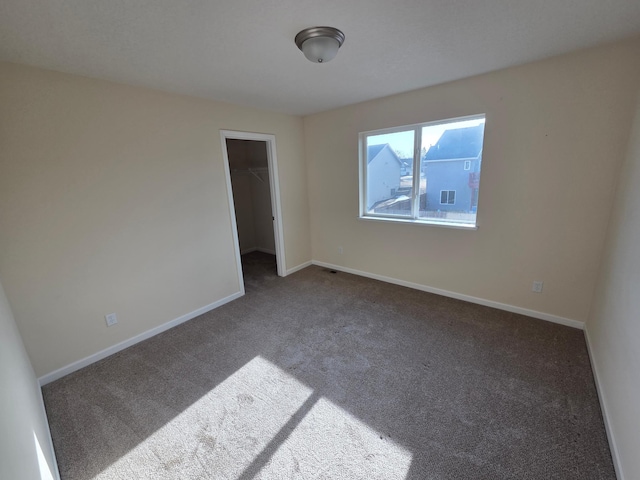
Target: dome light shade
[{"x": 319, "y": 44}]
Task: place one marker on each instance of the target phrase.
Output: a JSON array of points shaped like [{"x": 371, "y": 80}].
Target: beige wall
[
  {"x": 113, "y": 199},
  {"x": 614, "y": 324},
  {"x": 555, "y": 136},
  {"x": 25, "y": 444}
]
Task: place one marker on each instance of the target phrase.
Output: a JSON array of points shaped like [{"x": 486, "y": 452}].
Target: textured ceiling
[{"x": 242, "y": 51}]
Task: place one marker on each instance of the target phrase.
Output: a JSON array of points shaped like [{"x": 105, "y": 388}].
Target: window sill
[{"x": 459, "y": 226}]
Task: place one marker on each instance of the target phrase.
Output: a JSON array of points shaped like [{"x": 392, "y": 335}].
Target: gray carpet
[{"x": 329, "y": 375}]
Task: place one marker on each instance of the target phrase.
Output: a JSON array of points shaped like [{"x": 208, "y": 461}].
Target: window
[
  {"x": 447, "y": 197},
  {"x": 425, "y": 173}
]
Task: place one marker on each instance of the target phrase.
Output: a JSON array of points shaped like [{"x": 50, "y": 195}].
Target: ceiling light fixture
[{"x": 319, "y": 44}]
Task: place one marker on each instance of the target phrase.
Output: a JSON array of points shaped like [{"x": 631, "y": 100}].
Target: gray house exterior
[{"x": 452, "y": 169}]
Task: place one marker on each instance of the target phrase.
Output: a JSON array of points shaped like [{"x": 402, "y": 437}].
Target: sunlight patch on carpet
[
  {"x": 223, "y": 431},
  {"x": 263, "y": 423},
  {"x": 332, "y": 443}
]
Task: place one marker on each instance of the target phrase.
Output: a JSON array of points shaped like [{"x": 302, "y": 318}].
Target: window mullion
[{"x": 415, "y": 198}]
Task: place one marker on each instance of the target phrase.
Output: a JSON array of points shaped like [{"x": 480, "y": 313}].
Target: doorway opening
[{"x": 254, "y": 198}]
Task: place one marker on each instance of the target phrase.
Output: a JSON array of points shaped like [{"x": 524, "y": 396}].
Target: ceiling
[{"x": 242, "y": 51}]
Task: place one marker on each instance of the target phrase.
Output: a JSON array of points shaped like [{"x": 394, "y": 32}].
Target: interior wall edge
[
  {"x": 102, "y": 354},
  {"x": 56, "y": 470},
  {"x": 569, "y": 322},
  {"x": 615, "y": 456},
  {"x": 26, "y": 447}
]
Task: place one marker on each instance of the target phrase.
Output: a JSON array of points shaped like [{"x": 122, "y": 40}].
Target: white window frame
[
  {"x": 448, "y": 195},
  {"x": 415, "y": 191},
  {"x": 467, "y": 165}
]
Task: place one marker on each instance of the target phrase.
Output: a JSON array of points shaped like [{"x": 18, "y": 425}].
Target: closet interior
[{"x": 249, "y": 169}]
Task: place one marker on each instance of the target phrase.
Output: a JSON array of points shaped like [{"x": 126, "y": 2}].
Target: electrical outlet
[
  {"x": 340, "y": 250},
  {"x": 111, "y": 319},
  {"x": 537, "y": 286}
]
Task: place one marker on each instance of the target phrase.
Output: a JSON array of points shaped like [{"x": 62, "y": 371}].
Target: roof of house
[
  {"x": 374, "y": 150},
  {"x": 457, "y": 143}
]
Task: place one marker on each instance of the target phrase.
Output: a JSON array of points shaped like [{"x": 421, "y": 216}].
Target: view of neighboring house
[
  {"x": 452, "y": 168},
  {"x": 383, "y": 174}
]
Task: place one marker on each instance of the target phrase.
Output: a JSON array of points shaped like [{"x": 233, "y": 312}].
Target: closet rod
[{"x": 252, "y": 171}]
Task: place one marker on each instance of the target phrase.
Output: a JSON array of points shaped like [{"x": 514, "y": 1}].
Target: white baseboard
[
  {"x": 299, "y": 267},
  {"x": 603, "y": 406},
  {"x": 248, "y": 250},
  {"x": 61, "y": 372},
  {"x": 459, "y": 296}
]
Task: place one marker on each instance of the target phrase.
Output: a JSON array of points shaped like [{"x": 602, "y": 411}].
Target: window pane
[
  {"x": 450, "y": 164},
  {"x": 389, "y": 173}
]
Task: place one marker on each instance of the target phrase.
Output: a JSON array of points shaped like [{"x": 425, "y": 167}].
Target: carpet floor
[{"x": 324, "y": 375}]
